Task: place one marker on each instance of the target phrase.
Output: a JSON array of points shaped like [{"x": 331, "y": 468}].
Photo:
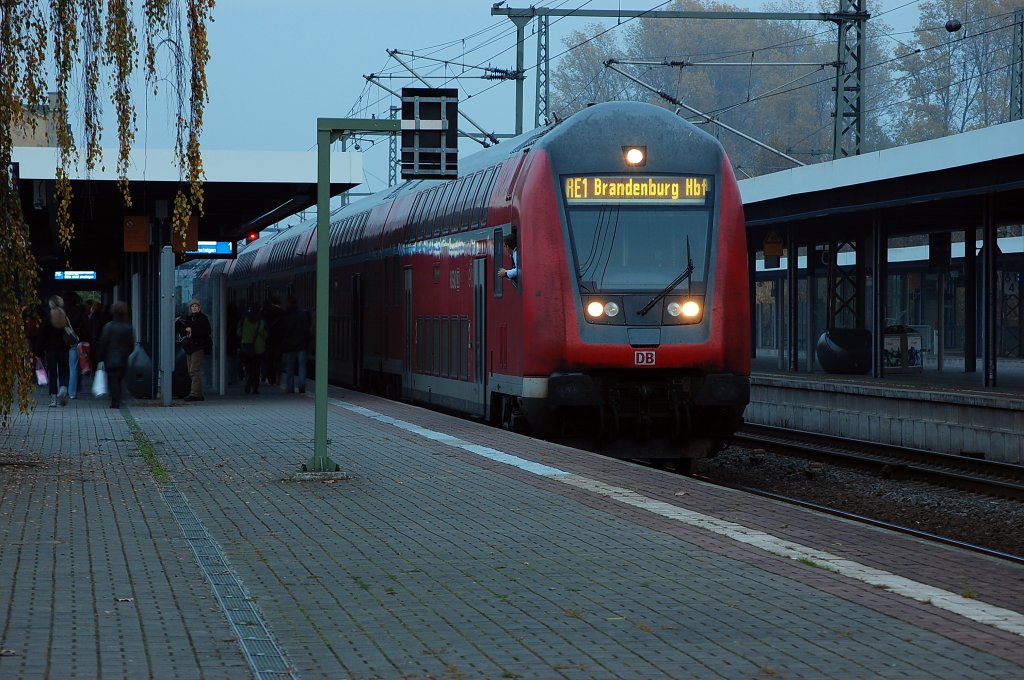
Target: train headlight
[
  {"x": 605, "y": 310},
  {"x": 674, "y": 308},
  {"x": 691, "y": 309},
  {"x": 635, "y": 156}
]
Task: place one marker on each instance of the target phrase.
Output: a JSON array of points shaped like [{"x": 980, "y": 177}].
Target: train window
[
  {"x": 443, "y": 346},
  {"x": 455, "y": 348},
  {"x": 413, "y": 219},
  {"x": 443, "y": 206},
  {"x": 396, "y": 272},
  {"x": 428, "y": 213},
  {"x": 351, "y": 234},
  {"x": 435, "y": 354},
  {"x": 464, "y": 349},
  {"x": 336, "y": 228},
  {"x": 483, "y": 200},
  {"x": 244, "y": 265},
  {"x": 467, "y": 206},
  {"x": 363, "y": 219},
  {"x": 637, "y": 248},
  {"x": 453, "y": 214},
  {"x": 422, "y": 347},
  {"x": 349, "y": 238}
]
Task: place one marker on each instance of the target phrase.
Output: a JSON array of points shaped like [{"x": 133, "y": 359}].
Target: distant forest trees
[{"x": 774, "y": 80}]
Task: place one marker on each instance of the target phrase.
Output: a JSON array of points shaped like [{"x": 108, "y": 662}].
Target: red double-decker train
[{"x": 629, "y": 321}]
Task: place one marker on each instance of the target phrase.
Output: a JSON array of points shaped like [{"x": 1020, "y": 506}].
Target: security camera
[{"x": 953, "y": 25}]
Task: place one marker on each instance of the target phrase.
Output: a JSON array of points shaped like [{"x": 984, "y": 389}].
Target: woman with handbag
[
  {"x": 115, "y": 345},
  {"x": 54, "y": 344}
]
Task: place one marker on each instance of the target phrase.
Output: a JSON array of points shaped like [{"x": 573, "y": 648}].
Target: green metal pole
[{"x": 321, "y": 462}]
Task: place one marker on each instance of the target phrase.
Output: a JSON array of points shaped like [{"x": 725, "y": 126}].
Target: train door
[
  {"x": 407, "y": 356},
  {"x": 357, "y": 331},
  {"x": 480, "y": 276}
]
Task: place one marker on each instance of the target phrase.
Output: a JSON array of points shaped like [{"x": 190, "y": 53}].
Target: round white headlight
[
  {"x": 611, "y": 309},
  {"x": 691, "y": 309},
  {"x": 634, "y": 156},
  {"x": 595, "y": 309},
  {"x": 674, "y": 308}
]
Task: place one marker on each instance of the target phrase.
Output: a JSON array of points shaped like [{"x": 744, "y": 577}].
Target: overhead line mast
[{"x": 850, "y": 20}]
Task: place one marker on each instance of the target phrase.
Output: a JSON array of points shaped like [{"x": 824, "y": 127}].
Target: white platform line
[{"x": 997, "y": 617}]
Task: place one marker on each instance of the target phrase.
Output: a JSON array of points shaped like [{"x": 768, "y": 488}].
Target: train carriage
[{"x": 630, "y": 321}]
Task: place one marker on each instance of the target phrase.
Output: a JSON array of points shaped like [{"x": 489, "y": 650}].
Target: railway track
[
  {"x": 864, "y": 519},
  {"x": 1001, "y": 480}
]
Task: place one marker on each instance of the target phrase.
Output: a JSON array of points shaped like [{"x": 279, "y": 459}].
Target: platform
[
  {"x": 454, "y": 551},
  {"x": 948, "y": 411}
]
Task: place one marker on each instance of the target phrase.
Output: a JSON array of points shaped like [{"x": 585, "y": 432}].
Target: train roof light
[{"x": 636, "y": 156}]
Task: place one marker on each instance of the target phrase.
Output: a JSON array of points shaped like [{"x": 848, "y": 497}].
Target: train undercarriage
[{"x": 661, "y": 416}]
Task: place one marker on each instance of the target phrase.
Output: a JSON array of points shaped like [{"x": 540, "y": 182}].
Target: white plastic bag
[
  {"x": 99, "y": 381},
  {"x": 41, "y": 376}
]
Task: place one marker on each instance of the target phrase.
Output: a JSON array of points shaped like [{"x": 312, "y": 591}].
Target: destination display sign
[
  {"x": 660, "y": 189},
  {"x": 69, "y": 275}
]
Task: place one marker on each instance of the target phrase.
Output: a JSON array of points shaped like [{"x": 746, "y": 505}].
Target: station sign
[
  {"x": 639, "y": 189},
  {"x": 773, "y": 248},
  {"x": 72, "y": 275},
  {"x": 213, "y": 250}
]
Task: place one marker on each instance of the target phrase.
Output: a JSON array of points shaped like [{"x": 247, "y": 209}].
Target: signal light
[{"x": 252, "y": 236}]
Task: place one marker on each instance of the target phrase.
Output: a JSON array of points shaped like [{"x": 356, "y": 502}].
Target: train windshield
[{"x": 628, "y": 247}]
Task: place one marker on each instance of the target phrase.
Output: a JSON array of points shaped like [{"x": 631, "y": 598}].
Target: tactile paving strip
[{"x": 261, "y": 651}]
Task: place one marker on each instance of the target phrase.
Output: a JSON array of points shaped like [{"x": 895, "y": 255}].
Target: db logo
[{"x": 644, "y": 358}]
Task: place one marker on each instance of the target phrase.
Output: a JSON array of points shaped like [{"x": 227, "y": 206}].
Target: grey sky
[{"x": 276, "y": 66}]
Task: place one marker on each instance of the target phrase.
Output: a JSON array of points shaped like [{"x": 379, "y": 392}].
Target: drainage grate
[{"x": 264, "y": 656}]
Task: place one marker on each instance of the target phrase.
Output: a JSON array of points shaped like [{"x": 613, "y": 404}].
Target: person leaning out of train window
[
  {"x": 197, "y": 345},
  {"x": 512, "y": 249}
]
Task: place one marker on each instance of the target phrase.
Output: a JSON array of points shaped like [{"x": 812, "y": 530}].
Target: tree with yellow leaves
[{"x": 96, "y": 37}]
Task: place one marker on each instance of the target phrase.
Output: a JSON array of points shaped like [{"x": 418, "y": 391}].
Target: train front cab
[{"x": 634, "y": 290}]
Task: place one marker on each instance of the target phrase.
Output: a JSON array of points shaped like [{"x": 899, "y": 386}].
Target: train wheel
[
  {"x": 516, "y": 420},
  {"x": 509, "y": 417}
]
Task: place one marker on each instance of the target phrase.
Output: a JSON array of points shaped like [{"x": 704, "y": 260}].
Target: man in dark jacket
[{"x": 197, "y": 344}]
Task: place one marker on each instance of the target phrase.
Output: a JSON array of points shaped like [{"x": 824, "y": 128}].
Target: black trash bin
[
  {"x": 844, "y": 350},
  {"x": 138, "y": 378},
  {"x": 181, "y": 383}
]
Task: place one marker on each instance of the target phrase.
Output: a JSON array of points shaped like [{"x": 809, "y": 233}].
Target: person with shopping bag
[{"x": 115, "y": 344}]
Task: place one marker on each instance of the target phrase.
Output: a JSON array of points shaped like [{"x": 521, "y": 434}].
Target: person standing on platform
[
  {"x": 272, "y": 357},
  {"x": 55, "y": 349},
  {"x": 77, "y": 320},
  {"x": 252, "y": 338},
  {"x": 115, "y": 344},
  {"x": 294, "y": 336},
  {"x": 198, "y": 343}
]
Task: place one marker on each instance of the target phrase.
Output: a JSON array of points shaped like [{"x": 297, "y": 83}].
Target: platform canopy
[
  {"x": 244, "y": 191},
  {"x": 918, "y": 188}
]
